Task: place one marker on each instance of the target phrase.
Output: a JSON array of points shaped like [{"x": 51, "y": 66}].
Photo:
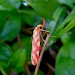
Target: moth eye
[{"x": 40, "y": 27}]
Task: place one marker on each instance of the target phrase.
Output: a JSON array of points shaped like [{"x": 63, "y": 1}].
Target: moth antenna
[{"x": 44, "y": 22}]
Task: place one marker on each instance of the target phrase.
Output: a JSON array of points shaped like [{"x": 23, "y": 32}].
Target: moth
[{"x": 36, "y": 38}]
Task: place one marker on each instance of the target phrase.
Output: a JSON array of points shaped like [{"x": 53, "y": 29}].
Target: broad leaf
[
  {"x": 11, "y": 26},
  {"x": 26, "y": 43},
  {"x": 9, "y": 4},
  {"x": 44, "y": 8},
  {"x": 3, "y": 65},
  {"x": 67, "y": 2},
  {"x": 17, "y": 61},
  {"x": 29, "y": 17},
  {"x": 65, "y": 38},
  {"x": 5, "y": 52},
  {"x": 65, "y": 62}
]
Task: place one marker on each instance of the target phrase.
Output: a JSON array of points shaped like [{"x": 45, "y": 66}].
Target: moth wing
[{"x": 35, "y": 46}]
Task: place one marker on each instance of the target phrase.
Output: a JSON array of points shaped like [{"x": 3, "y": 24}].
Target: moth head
[{"x": 40, "y": 26}]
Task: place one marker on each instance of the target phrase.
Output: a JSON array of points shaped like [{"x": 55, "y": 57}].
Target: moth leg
[
  {"x": 44, "y": 31},
  {"x": 42, "y": 38}
]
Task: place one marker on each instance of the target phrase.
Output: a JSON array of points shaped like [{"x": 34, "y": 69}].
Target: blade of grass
[
  {"x": 61, "y": 30},
  {"x": 2, "y": 70},
  {"x": 67, "y": 20},
  {"x": 67, "y": 28}
]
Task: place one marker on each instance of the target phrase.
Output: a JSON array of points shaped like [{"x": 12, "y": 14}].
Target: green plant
[{"x": 19, "y": 17}]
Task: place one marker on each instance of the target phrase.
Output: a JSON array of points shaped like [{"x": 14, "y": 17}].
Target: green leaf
[
  {"x": 15, "y": 3},
  {"x": 29, "y": 17},
  {"x": 67, "y": 28},
  {"x": 3, "y": 65},
  {"x": 17, "y": 61},
  {"x": 65, "y": 62},
  {"x": 58, "y": 16},
  {"x": 73, "y": 1},
  {"x": 65, "y": 38},
  {"x": 61, "y": 19},
  {"x": 68, "y": 19},
  {"x": 72, "y": 34},
  {"x": 62, "y": 29},
  {"x": 11, "y": 26},
  {"x": 9, "y": 4},
  {"x": 57, "y": 13},
  {"x": 61, "y": 33},
  {"x": 44, "y": 8},
  {"x": 5, "y": 52},
  {"x": 51, "y": 26},
  {"x": 67, "y": 2},
  {"x": 2, "y": 19},
  {"x": 26, "y": 43},
  {"x": 3, "y": 71}
]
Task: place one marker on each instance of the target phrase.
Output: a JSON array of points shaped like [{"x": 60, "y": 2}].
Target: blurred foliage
[
  {"x": 19, "y": 60},
  {"x": 20, "y": 17},
  {"x": 39, "y": 73}
]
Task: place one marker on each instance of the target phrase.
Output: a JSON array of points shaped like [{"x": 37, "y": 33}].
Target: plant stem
[
  {"x": 41, "y": 54},
  {"x": 50, "y": 67},
  {"x": 27, "y": 68},
  {"x": 19, "y": 41}
]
